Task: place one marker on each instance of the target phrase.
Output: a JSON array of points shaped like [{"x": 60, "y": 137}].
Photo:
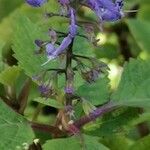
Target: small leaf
[
  {"x": 9, "y": 75},
  {"x": 49, "y": 102},
  {"x": 97, "y": 93},
  {"x": 75, "y": 143},
  {"x": 87, "y": 107},
  {"x": 14, "y": 129}
]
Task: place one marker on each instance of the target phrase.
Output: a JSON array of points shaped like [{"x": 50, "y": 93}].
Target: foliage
[{"x": 58, "y": 69}]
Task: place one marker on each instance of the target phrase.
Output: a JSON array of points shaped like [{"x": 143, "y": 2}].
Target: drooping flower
[
  {"x": 36, "y": 3},
  {"x": 50, "y": 49},
  {"x": 54, "y": 52}
]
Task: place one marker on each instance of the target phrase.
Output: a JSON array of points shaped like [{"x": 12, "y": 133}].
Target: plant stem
[
  {"x": 94, "y": 115},
  {"x": 69, "y": 73},
  {"x": 47, "y": 128}
]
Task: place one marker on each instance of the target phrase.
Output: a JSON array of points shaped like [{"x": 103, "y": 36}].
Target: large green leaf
[
  {"x": 141, "y": 32},
  {"x": 75, "y": 143},
  {"x": 23, "y": 45},
  {"x": 134, "y": 86},
  {"x": 97, "y": 93},
  {"x": 112, "y": 123},
  {"x": 14, "y": 129}
]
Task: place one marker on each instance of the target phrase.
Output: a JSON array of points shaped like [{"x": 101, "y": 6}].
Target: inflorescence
[{"x": 106, "y": 11}]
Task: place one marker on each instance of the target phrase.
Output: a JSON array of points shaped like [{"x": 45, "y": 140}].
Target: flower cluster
[
  {"x": 105, "y": 10},
  {"x": 61, "y": 43},
  {"x": 52, "y": 51}
]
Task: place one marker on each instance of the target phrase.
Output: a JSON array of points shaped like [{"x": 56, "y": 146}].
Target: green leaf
[
  {"x": 9, "y": 75},
  {"x": 85, "y": 48},
  {"x": 141, "y": 32},
  {"x": 24, "y": 47},
  {"x": 142, "y": 144},
  {"x": 144, "y": 12},
  {"x": 14, "y": 129},
  {"x": 112, "y": 123},
  {"x": 75, "y": 143},
  {"x": 49, "y": 102},
  {"x": 97, "y": 93},
  {"x": 134, "y": 86},
  {"x": 117, "y": 142},
  {"x": 107, "y": 50},
  {"x": 12, "y": 6},
  {"x": 87, "y": 107}
]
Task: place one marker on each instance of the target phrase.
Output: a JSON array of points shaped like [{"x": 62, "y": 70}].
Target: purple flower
[
  {"x": 119, "y": 4},
  {"x": 50, "y": 49},
  {"x": 107, "y": 10},
  {"x": 43, "y": 89},
  {"x": 64, "y": 44},
  {"x": 38, "y": 42},
  {"x": 53, "y": 36},
  {"x": 73, "y": 27},
  {"x": 36, "y": 3},
  {"x": 69, "y": 90},
  {"x": 53, "y": 52}
]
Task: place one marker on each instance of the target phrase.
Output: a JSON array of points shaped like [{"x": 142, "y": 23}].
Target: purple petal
[
  {"x": 36, "y": 3},
  {"x": 73, "y": 26}
]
